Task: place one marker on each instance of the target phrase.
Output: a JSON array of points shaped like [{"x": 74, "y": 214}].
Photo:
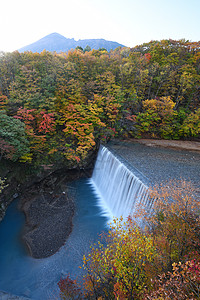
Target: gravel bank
[
  {"x": 49, "y": 209},
  {"x": 159, "y": 162}
]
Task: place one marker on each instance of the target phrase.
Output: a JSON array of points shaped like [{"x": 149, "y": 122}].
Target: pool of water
[{"x": 37, "y": 278}]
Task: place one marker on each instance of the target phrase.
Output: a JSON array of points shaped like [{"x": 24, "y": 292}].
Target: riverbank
[
  {"x": 171, "y": 144},
  {"x": 37, "y": 278},
  {"x": 46, "y": 203},
  {"x": 49, "y": 206},
  {"x": 49, "y": 209}
]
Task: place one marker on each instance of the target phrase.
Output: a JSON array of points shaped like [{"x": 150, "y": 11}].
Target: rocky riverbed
[
  {"x": 47, "y": 204},
  {"x": 161, "y": 160},
  {"x": 49, "y": 208}
]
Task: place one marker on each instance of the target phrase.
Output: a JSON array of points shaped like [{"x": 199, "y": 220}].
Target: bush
[
  {"x": 182, "y": 283},
  {"x": 156, "y": 262}
]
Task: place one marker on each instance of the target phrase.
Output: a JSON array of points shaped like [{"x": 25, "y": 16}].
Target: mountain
[{"x": 59, "y": 43}]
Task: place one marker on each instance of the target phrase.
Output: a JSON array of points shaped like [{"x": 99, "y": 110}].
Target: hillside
[
  {"x": 57, "y": 108},
  {"x": 59, "y": 43}
]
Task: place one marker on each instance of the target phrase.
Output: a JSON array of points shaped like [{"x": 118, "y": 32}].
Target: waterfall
[{"x": 119, "y": 188}]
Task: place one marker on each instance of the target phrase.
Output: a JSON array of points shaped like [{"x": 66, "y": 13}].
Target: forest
[{"x": 58, "y": 107}]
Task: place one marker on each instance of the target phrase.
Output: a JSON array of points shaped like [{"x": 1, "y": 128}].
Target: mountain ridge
[{"x": 58, "y": 43}]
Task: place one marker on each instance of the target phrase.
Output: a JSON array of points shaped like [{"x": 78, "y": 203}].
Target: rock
[{"x": 15, "y": 195}]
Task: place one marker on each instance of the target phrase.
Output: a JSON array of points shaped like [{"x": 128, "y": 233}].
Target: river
[{"x": 37, "y": 278}]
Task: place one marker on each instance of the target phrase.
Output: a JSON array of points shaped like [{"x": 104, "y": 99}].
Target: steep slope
[{"x": 52, "y": 42}]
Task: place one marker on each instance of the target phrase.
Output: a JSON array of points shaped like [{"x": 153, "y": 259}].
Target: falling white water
[{"x": 120, "y": 190}]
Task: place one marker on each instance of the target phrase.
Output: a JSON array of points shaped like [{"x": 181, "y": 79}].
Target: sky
[{"x": 128, "y": 22}]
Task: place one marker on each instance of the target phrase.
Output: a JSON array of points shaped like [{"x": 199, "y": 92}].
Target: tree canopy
[{"x": 68, "y": 102}]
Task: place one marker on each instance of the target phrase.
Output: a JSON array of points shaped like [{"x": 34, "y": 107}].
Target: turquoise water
[{"x": 37, "y": 278}]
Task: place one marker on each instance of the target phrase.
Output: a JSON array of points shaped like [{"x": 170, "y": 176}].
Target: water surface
[{"x": 37, "y": 278}]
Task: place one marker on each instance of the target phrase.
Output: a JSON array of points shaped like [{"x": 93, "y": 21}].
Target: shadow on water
[{"x": 37, "y": 278}]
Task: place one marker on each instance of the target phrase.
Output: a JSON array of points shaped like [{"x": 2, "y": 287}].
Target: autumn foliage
[
  {"x": 174, "y": 223},
  {"x": 70, "y": 102},
  {"x": 55, "y": 108},
  {"x": 161, "y": 260},
  {"x": 182, "y": 283},
  {"x": 118, "y": 267},
  {"x": 69, "y": 289}
]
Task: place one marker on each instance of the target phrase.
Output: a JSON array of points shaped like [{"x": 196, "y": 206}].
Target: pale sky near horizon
[{"x": 129, "y": 22}]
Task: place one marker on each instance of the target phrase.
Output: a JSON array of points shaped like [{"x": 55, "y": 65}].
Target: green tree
[
  {"x": 87, "y": 49},
  {"x": 12, "y": 134}
]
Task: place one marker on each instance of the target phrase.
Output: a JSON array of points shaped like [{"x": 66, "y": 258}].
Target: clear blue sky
[{"x": 129, "y": 22}]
